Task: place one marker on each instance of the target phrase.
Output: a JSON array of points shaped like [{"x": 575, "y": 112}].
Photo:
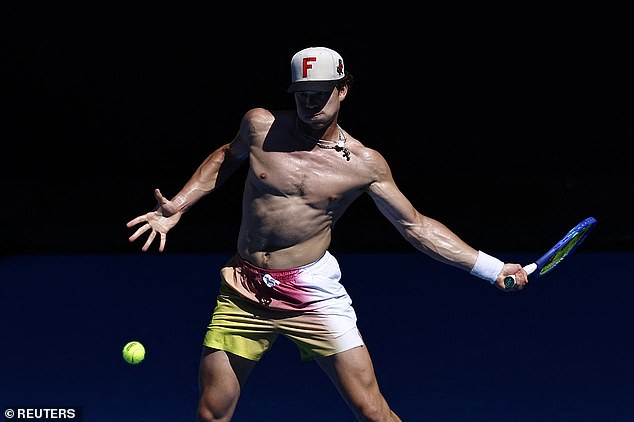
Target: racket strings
[{"x": 568, "y": 246}]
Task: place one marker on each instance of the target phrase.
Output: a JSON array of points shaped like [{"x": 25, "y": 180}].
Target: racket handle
[{"x": 509, "y": 281}]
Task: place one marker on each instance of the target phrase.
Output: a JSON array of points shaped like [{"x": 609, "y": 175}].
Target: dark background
[{"x": 508, "y": 126}]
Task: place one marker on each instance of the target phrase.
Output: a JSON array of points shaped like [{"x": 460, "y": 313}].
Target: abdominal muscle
[{"x": 281, "y": 232}]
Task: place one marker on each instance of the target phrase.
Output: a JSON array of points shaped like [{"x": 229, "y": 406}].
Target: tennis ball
[{"x": 134, "y": 352}]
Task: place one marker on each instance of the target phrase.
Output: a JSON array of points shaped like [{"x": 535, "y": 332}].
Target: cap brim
[{"x": 326, "y": 86}]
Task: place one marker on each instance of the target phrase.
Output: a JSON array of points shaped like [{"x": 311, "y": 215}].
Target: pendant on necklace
[
  {"x": 339, "y": 147},
  {"x": 339, "y": 144}
]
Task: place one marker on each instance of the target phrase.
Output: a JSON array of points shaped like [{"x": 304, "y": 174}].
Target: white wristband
[{"x": 487, "y": 267}]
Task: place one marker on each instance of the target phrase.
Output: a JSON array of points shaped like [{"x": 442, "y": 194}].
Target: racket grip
[{"x": 509, "y": 281}]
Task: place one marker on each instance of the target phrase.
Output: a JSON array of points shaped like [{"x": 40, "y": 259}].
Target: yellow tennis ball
[{"x": 134, "y": 352}]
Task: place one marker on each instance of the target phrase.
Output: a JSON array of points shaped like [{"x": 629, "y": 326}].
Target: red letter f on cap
[{"x": 306, "y": 65}]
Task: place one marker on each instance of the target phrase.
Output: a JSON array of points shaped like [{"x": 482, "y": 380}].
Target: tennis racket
[{"x": 557, "y": 253}]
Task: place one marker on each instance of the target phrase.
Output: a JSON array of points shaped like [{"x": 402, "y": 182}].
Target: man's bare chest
[{"x": 317, "y": 175}]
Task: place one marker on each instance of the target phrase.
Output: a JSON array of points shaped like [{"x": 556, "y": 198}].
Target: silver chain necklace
[{"x": 339, "y": 144}]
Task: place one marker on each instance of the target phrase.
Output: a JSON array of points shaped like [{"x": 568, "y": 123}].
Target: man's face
[{"x": 317, "y": 108}]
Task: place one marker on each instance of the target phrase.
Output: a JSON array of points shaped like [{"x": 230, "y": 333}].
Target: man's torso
[{"x": 294, "y": 193}]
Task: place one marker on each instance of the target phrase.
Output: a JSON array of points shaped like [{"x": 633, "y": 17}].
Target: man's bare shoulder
[
  {"x": 258, "y": 122},
  {"x": 368, "y": 158},
  {"x": 363, "y": 152},
  {"x": 260, "y": 116}
]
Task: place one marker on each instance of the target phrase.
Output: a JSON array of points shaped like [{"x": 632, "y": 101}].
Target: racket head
[{"x": 565, "y": 246}]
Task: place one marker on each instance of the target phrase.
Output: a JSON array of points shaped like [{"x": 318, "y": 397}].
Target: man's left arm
[{"x": 432, "y": 237}]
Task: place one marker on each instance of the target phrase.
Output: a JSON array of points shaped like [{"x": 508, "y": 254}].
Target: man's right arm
[{"x": 212, "y": 173}]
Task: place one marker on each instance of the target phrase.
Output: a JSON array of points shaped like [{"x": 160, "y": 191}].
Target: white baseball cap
[{"x": 316, "y": 69}]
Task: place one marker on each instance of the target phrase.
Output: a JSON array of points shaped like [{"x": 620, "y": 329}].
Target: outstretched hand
[{"x": 160, "y": 220}]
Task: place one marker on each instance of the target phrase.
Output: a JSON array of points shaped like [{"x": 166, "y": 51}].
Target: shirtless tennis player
[{"x": 304, "y": 172}]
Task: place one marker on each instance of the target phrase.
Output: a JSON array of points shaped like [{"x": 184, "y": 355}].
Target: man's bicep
[
  {"x": 389, "y": 199},
  {"x": 392, "y": 203}
]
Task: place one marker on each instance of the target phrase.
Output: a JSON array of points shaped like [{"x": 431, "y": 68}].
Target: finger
[
  {"x": 163, "y": 241},
  {"x": 149, "y": 241},
  {"x": 159, "y": 196},
  {"x": 521, "y": 281},
  {"x": 139, "y": 232},
  {"x": 136, "y": 221}
]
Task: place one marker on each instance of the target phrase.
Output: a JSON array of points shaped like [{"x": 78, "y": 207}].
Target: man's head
[{"x": 317, "y": 69}]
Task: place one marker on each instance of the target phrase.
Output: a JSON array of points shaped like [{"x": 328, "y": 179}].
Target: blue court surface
[{"x": 446, "y": 346}]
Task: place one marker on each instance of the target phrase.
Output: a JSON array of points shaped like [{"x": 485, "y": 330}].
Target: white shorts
[{"x": 306, "y": 304}]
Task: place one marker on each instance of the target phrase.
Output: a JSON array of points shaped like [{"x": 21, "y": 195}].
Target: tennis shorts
[{"x": 307, "y": 304}]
